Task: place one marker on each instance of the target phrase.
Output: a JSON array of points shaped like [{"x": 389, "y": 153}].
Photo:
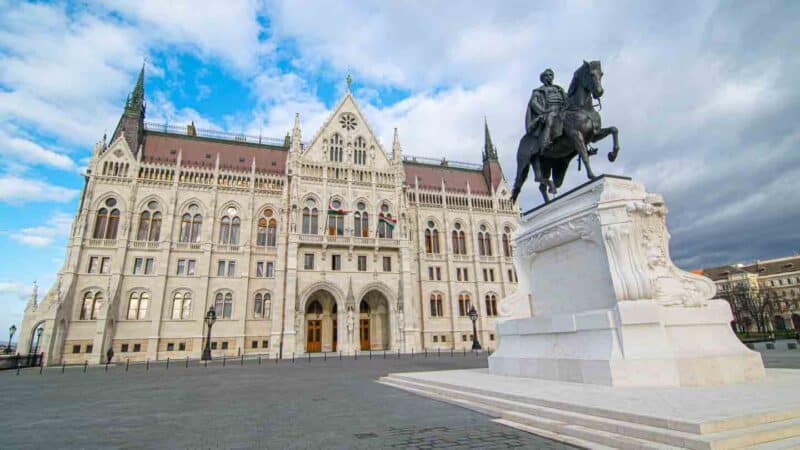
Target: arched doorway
[
  {"x": 373, "y": 321},
  {"x": 796, "y": 321},
  {"x": 36, "y": 339},
  {"x": 321, "y": 323}
]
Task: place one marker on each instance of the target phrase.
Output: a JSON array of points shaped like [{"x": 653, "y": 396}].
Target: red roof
[
  {"x": 455, "y": 179},
  {"x": 198, "y": 151}
]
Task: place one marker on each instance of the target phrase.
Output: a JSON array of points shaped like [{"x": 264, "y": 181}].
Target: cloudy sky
[{"x": 704, "y": 93}]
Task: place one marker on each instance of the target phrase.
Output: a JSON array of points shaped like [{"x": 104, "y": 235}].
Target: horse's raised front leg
[
  {"x": 580, "y": 146},
  {"x": 614, "y": 134}
]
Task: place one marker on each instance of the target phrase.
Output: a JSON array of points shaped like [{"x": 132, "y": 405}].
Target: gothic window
[
  {"x": 149, "y": 223},
  {"x": 137, "y": 305},
  {"x": 361, "y": 221},
  {"x": 348, "y": 121},
  {"x": 484, "y": 242},
  {"x": 436, "y": 305},
  {"x": 463, "y": 304},
  {"x": 459, "y": 241},
  {"x": 360, "y": 151},
  {"x": 310, "y": 218},
  {"x": 191, "y": 224},
  {"x": 92, "y": 302},
  {"x": 335, "y": 219},
  {"x": 491, "y": 305},
  {"x": 229, "y": 227},
  {"x": 314, "y": 308},
  {"x": 336, "y": 148},
  {"x": 385, "y": 223},
  {"x": 107, "y": 221},
  {"x": 431, "y": 238},
  {"x": 182, "y": 305},
  {"x": 261, "y": 233},
  {"x": 507, "y": 252},
  {"x": 261, "y": 306},
  {"x": 223, "y": 305}
]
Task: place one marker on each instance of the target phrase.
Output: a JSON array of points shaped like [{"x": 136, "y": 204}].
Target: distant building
[
  {"x": 764, "y": 295},
  {"x": 331, "y": 245}
]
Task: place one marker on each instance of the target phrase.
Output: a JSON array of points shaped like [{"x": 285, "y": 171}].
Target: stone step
[
  {"x": 548, "y": 417},
  {"x": 783, "y": 444},
  {"x": 582, "y": 426},
  {"x": 554, "y": 436}
]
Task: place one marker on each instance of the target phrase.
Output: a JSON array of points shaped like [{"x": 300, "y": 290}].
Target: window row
[
  {"x": 462, "y": 274},
  {"x": 464, "y": 305},
  {"x": 336, "y": 262},
  {"x": 459, "y": 240},
  {"x": 336, "y": 218}
]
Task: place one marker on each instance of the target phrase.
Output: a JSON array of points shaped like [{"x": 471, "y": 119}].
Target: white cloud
[
  {"x": 18, "y": 190},
  {"x": 26, "y": 151},
  {"x": 16, "y": 291},
  {"x": 57, "y": 228}
]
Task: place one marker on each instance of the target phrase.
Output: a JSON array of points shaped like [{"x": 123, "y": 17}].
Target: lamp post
[
  {"x": 211, "y": 317},
  {"x": 473, "y": 316},
  {"x": 38, "y": 337},
  {"x": 11, "y": 330}
]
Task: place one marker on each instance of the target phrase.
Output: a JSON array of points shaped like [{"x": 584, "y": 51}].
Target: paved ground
[
  {"x": 321, "y": 404},
  {"x": 317, "y": 404}
]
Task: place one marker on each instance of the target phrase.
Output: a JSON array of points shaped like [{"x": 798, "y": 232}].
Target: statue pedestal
[{"x": 609, "y": 307}]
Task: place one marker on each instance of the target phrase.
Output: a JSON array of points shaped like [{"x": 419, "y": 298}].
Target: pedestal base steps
[{"x": 759, "y": 415}]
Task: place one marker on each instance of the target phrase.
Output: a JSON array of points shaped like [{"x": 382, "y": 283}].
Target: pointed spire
[
  {"x": 135, "y": 103},
  {"x": 35, "y": 294},
  {"x": 397, "y": 152},
  {"x": 350, "y": 301},
  {"x": 489, "y": 150},
  {"x": 296, "y": 146}
]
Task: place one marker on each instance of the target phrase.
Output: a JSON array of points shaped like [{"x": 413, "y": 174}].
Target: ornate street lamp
[
  {"x": 11, "y": 330},
  {"x": 211, "y": 317},
  {"x": 38, "y": 336},
  {"x": 473, "y": 316}
]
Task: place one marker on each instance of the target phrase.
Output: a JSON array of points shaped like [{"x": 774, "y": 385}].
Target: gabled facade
[{"x": 334, "y": 245}]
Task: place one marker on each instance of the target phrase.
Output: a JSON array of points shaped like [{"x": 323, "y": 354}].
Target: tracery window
[
  {"x": 107, "y": 221},
  {"x": 92, "y": 302},
  {"x": 230, "y": 225},
  {"x": 431, "y": 238},
  {"x": 191, "y": 224},
  {"x": 361, "y": 221},
  {"x": 182, "y": 305},
  {"x": 507, "y": 251},
  {"x": 386, "y": 223},
  {"x": 484, "y": 242},
  {"x": 223, "y": 305},
  {"x": 436, "y": 305},
  {"x": 310, "y": 218},
  {"x": 314, "y": 308},
  {"x": 459, "y": 240},
  {"x": 336, "y": 148},
  {"x": 360, "y": 151},
  {"x": 463, "y": 304},
  {"x": 137, "y": 305},
  {"x": 335, "y": 219},
  {"x": 491, "y": 305},
  {"x": 261, "y": 307},
  {"x": 149, "y": 223}
]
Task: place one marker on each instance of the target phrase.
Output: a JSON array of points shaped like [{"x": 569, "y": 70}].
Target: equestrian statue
[{"x": 560, "y": 126}]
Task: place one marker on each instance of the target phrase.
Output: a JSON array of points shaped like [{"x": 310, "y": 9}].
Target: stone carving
[{"x": 580, "y": 228}]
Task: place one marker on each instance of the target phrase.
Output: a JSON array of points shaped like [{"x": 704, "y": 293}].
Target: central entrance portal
[
  {"x": 314, "y": 333},
  {"x": 321, "y": 322},
  {"x": 363, "y": 334}
]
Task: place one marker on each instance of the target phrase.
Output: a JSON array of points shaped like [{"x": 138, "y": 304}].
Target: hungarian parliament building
[{"x": 328, "y": 245}]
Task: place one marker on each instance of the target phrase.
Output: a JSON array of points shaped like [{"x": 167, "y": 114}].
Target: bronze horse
[{"x": 581, "y": 126}]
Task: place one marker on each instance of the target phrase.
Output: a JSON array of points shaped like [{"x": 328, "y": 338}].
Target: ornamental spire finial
[{"x": 349, "y": 81}]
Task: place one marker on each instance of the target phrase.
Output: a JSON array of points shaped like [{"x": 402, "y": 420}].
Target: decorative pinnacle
[
  {"x": 489, "y": 150},
  {"x": 349, "y": 81}
]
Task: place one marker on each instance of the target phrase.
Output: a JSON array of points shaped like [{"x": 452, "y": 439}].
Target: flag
[
  {"x": 336, "y": 212},
  {"x": 388, "y": 220}
]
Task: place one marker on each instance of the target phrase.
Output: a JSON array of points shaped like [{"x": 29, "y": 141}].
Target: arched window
[
  {"x": 182, "y": 306},
  {"x": 335, "y": 219},
  {"x": 431, "y": 238},
  {"x": 229, "y": 227},
  {"x": 314, "y": 308},
  {"x": 107, "y": 221},
  {"x": 436, "y": 305},
  {"x": 363, "y": 308},
  {"x": 360, "y": 151},
  {"x": 484, "y": 242},
  {"x": 459, "y": 241},
  {"x": 463, "y": 304},
  {"x": 261, "y": 234},
  {"x": 191, "y": 224},
  {"x": 491, "y": 305},
  {"x": 261, "y": 307},
  {"x": 223, "y": 305},
  {"x": 137, "y": 305},
  {"x": 310, "y": 218},
  {"x": 361, "y": 221},
  {"x": 90, "y": 308},
  {"x": 507, "y": 252},
  {"x": 337, "y": 148},
  {"x": 385, "y": 223},
  {"x": 149, "y": 223}
]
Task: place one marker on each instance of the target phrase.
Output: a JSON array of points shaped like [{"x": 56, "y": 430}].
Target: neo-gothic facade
[{"x": 330, "y": 245}]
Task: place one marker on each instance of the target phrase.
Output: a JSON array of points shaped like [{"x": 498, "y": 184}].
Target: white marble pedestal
[{"x": 609, "y": 307}]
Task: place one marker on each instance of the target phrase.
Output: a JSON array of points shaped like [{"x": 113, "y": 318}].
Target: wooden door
[
  {"x": 364, "y": 334},
  {"x": 335, "y": 335},
  {"x": 314, "y": 336}
]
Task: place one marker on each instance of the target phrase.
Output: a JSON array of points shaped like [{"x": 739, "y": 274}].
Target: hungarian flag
[
  {"x": 336, "y": 212},
  {"x": 389, "y": 221}
]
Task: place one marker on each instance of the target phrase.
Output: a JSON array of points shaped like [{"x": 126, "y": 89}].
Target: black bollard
[
  {"x": 309, "y": 356},
  {"x": 205, "y": 363},
  {"x": 242, "y": 362},
  {"x": 63, "y": 366},
  {"x": 187, "y": 362},
  {"x": 147, "y": 364},
  {"x": 398, "y": 353},
  {"x": 370, "y": 353},
  {"x": 106, "y": 369},
  {"x": 451, "y": 352},
  {"x": 324, "y": 356},
  {"x": 259, "y": 360},
  {"x": 465, "y": 351},
  {"x": 384, "y": 353},
  {"x": 438, "y": 353},
  {"x": 355, "y": 354},
  {"x": 292, "y": 357},
  {"x": 127, "y": 363},
  {"x": 223, "y": 360},
  {"x": 412, "y": 352},
  {"x": 426, "y": 352},
  {"x": 167, "y": 362},
  {"x": 85, "y": 365},
  {"x": 340, "y": 355}
]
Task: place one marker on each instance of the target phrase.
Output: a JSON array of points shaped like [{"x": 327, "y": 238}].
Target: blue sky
[{"x": 704, "y": 94}]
